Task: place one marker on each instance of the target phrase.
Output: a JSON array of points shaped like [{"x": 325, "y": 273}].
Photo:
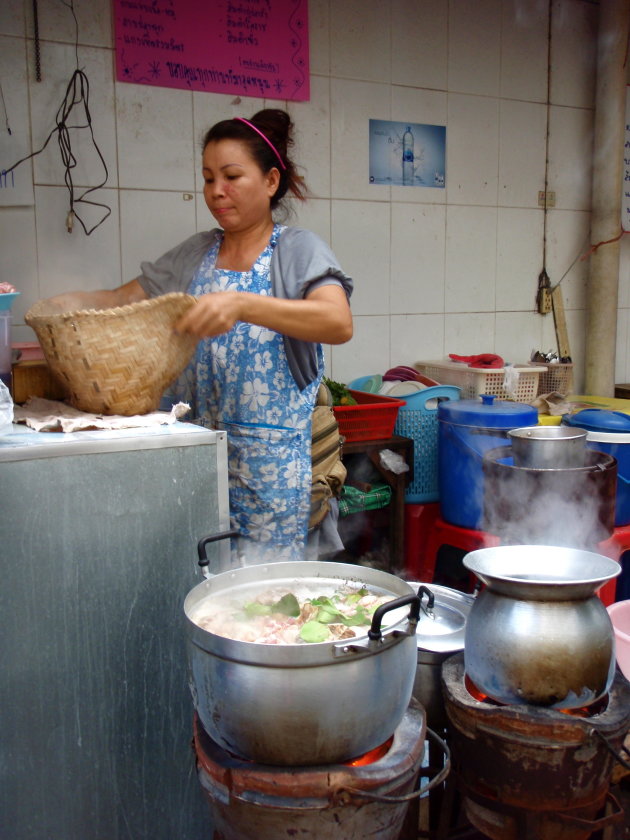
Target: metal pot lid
[
  {"x": 487, "y": 413},
  {"x": 444, "y": 631}
]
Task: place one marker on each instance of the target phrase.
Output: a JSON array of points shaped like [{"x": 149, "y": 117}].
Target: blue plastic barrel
[
  {"x": 467, "y": 430},
  {"x": 609, "y": 431}
]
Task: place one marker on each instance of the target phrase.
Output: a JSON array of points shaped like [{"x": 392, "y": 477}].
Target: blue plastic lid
[
  {"x": 7, "y": 299},
  {"x": 488, "y": 412},
  {"x": 599, "y": 420}
]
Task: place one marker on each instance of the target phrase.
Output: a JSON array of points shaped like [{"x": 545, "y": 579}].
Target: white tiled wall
[{"x": 436, "y": 271}]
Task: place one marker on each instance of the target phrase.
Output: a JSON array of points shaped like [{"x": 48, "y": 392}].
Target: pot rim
[
  {"x": 529, "y": 570},
  {"x": 548, "y": 434},
  {"x": 600, "y": 461},
  {"x": 297, "y": 655}
]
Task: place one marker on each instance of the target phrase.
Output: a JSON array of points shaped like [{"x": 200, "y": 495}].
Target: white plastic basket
[
  {"x": 556, "y": 376},
  {"x": 476, "y": 381}
]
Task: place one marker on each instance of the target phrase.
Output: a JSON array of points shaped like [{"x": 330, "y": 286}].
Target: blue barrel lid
[
  {"x": 599, "y": 420},
  {"x": 488, "y": 412}
]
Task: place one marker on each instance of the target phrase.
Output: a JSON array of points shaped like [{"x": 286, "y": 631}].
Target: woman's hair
[{"x": 277, "y": 128}]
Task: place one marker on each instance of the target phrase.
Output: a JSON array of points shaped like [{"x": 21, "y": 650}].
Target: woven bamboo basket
[{"x": 115, "y": 361}]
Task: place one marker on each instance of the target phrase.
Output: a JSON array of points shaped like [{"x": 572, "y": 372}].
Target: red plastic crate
[{"x": 373, "y": 418}]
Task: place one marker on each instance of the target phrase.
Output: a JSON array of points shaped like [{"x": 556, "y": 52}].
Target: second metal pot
[
  {"x": 441, "y": 633},
  {"x": 548, "y": 447},
  {"x": 536, "y": 632}
]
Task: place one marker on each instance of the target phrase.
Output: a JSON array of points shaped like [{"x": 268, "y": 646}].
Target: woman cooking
[{"x": 268, "y": 297}]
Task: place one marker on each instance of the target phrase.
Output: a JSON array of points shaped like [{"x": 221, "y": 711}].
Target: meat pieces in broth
[{"x": 283, "y": 618}]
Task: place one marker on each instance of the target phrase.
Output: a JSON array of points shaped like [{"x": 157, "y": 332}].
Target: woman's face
[{"x": 237, "y": 192}]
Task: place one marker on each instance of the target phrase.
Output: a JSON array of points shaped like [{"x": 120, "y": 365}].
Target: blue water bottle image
[{"x": 407, "y": 157}]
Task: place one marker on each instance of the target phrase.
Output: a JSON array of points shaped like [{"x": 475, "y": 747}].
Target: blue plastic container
[
  {"x": 467, "y": 430},
  {"x": 609, "y": 431},
  {"x": 418, "y": 419}
]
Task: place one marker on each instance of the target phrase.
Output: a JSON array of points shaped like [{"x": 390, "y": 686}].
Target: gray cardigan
[{"x": 300, "y": 262}]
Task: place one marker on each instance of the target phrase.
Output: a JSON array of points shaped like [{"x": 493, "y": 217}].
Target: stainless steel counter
[{"x": 98, "y": 534}]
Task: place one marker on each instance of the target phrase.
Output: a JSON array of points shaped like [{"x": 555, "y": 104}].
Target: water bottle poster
[{"x": 406, "y": 154}]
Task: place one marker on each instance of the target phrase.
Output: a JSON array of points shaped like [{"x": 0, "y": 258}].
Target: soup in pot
[{"x": 302, "y": 614}]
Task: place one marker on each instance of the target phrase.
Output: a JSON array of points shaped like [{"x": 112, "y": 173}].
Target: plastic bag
[
  {"x": 6, "y": 409},
  {"x": 393, "y": 462},
  {"x": 510, "y": 381}
]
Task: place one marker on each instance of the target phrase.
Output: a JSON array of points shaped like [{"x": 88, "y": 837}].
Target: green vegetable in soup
[
  {"x": 322, "y": 601},
  {"x": 255, "y": 608},
  {"x": 328, "y": 615},
  {"x": 356, "y": 596},
  {"x": 314, "y": 631},
  {"x": 361, "y": 616},
  {"x": 287, "y": 605}
]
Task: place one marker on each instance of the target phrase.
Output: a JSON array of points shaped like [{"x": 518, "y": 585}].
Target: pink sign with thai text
[{"x": 244, "y": 47}]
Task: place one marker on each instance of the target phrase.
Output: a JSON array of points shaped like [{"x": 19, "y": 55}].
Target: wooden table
[{"x": 397, "y": 481}]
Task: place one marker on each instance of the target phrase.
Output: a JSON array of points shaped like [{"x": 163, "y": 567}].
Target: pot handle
[
  {"x": 374, "y": 633},
  {"x": 424, "y": 590},
  {"x": 610, "y": 748},
  {"x": 612, "y": 818},
  {"x": 346, "y": 795},
  {"x": 203, "y": 542}
]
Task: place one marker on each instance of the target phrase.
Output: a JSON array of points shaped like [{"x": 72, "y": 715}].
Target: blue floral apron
[{"x": 241, "y": 382}]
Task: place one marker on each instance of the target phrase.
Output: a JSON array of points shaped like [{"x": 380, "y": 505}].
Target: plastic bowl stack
[{"x": 619, "y": 613}]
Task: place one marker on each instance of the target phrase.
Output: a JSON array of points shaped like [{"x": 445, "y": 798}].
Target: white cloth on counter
[{"x": 54, "y": 416}]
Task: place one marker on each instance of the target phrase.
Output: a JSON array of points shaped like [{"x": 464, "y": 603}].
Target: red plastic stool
[
  {"x": 443, "y": 533},
  {"x": 419, "y": 521},
  {"x": 613, "y": 547}
]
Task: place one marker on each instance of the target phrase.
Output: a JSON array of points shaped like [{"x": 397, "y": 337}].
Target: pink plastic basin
[{"x": 619, "y": 613}]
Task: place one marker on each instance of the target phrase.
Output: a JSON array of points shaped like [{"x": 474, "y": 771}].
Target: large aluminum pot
[
  {"x": 537, "y": 633},
  {"x": 303, "y": 704}
]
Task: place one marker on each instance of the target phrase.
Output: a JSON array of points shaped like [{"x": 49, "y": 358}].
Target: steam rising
[{"x": 564, "y": 507}]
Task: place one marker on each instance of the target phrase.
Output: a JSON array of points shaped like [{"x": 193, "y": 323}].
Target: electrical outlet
[
  {"x": 551, "y": 198},
  {"x": 544, "y": 301}
]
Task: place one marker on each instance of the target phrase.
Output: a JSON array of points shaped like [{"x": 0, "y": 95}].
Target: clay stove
[
  {"x": 366, "y": 797},
  {"x": 532, "y": 773}
]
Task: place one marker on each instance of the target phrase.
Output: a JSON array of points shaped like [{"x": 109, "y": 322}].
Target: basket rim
[
  {"x": 125, "y": 309},
  {"x": 462, "y": 366}
]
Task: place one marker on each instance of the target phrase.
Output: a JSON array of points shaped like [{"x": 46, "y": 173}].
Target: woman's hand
[
  {"x": 213, "y": 314},
  {"x": 324, "y": 316}
]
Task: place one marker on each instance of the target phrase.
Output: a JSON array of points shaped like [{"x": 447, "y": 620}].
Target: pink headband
[{"x": 265, "y": 138}]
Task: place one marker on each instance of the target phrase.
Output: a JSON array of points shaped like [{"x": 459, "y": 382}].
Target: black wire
[
  {"x": 77, "y": 93},
  {"x": 4, "y": 108},
  {"x": 70, "y": 5}
]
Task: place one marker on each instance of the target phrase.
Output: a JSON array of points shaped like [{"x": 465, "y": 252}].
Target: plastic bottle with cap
[
  {"x": 5, "y": 347},
  {"x": 407, "y": 157}
]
